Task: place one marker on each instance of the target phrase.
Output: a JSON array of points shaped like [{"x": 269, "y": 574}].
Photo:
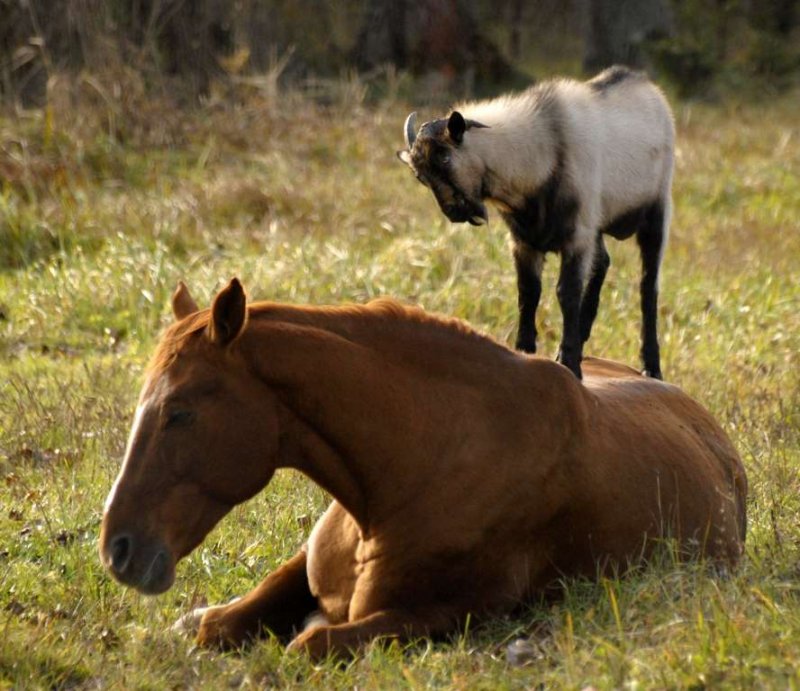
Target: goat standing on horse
[
  {"x": 524, "y": 477},
  {"x": 565, "y": 163}
]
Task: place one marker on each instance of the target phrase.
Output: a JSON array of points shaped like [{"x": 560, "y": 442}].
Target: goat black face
[
  {"x": 436, "y": 157},
  {"x": 453, "y": 202}
]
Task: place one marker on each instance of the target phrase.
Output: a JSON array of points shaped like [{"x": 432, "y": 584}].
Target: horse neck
[
  {"x": 352, "y": 420},
  {"x": 434, "y": 346},
  {"x": 377, "y": 405}
]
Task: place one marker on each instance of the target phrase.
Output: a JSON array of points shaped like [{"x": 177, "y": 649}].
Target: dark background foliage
[{"x": 180, "y": 47}]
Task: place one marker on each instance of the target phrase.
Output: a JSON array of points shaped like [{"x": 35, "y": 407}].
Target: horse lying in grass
[{"x": 466, "y": 477}]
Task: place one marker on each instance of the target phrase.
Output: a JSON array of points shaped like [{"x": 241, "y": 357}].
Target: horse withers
[{"x": 466, "y": 478}]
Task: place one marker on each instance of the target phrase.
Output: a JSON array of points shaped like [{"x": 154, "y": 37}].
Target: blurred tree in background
[
  {"x": 433, "y": 37},
  {"x": 181, "y": 47},
  {"x": 617, "y": 31}
]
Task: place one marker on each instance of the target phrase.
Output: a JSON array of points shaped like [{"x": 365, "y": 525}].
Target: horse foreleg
[
  {"x": 343, "y": 639},
  {"x": 278, "y": 604}
]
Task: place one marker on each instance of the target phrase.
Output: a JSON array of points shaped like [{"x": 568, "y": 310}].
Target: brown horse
[{"x": 466, "y": 477}]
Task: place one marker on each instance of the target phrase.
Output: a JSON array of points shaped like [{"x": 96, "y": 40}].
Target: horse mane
[
  {"x": 376, "y": 316},
  {"x": 175, "y": 338}
]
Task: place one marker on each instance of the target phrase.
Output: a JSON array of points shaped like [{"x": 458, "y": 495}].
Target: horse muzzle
[{"x": 141, "y": 563}]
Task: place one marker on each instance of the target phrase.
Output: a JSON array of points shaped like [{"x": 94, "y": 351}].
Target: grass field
[{"x": 107, "y": 202}]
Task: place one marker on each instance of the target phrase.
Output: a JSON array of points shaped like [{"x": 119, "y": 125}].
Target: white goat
[{"x": 564, "y": 163}]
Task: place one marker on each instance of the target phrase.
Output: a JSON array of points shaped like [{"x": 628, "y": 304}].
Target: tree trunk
[
  {"x": 189, "y": 36},
  {"x": 383, "y": 37},
  {"x": 39, "y": 37},
  {"x": 432, "y": 37},
  {"x": 776, "y": 16},
  {"x": 515, "y": 22},
  {"x": 616, "y": 30}
]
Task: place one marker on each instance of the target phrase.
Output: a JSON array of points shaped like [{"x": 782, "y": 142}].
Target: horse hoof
[
  {"x": 314, "y": 642},
  {"x": 520, "y": 652},
  {"x": 189, "y": 623}
]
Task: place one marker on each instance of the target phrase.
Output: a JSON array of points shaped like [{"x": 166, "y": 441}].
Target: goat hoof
[
  {"x": 570, "y": 363},
  {"x": 525, "y": 345}
]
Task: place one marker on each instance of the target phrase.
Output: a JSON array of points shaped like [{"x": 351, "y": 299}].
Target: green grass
[{"x": 308, "y": 204}]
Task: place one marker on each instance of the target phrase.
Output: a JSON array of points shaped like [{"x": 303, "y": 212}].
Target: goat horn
[{"x": 410, "y": 130}]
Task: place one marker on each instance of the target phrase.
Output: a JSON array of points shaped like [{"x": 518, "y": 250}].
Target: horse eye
[
  {"x": 444, "y": 157},
  {"x": 179, "y": 417}
]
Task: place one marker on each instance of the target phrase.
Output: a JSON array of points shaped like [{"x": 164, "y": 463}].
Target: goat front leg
[
  {"x": 570, "y": 289},
  {"x": 279, "y": 604},
  {"x": 344, "y": 639},
  {"x": 528, "y": 263},
  {"x": 591, "y": 296}
]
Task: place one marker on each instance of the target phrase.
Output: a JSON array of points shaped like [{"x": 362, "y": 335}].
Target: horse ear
[
  {"x": 456, "y": 126},
  {"x": 228, "y": 314},
  {"x": 183, "y": 303}
]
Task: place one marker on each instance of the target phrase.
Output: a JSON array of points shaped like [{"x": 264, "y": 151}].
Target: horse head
[{"x": 204, "y": 438}]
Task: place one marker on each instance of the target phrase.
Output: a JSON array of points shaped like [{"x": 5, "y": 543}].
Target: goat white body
[
  {"x": 617, "y": 144},
  {"x": 564, "y": 162}
]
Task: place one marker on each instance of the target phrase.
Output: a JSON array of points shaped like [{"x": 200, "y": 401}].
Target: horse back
[{"x": 656, "y": 458}]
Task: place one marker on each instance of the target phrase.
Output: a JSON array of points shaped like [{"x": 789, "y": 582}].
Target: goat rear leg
[
  {"x": 591, "y": 296},
  {"x": 279, "y": 604},
  {"x": 651, "y": 239}
]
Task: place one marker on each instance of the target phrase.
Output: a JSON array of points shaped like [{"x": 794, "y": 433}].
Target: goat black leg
[
  {"x": 651, "y": 239},
  {"x": 570, "y": 287},
  {"x": 529, "y": 286},
  {"x": 591, "y": 296}
]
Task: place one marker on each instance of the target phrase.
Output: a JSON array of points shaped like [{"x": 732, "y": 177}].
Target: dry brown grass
[{"x": 110, "y": 198}]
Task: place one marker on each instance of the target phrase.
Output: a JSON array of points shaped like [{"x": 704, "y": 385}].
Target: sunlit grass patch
[{"x": 101, "y": 216}]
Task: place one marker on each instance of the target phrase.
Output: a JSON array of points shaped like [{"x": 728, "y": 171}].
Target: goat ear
[
  {"x": 228, "y": 314},
  {"x": 183, "y": 303},
  {"x": 405, "y": 157},
  {"x": 456, "y": 126},
  {"x": 475, "y": 123}
]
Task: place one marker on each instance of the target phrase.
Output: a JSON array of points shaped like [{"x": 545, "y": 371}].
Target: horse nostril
[{"x": 121, "y": 550}]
